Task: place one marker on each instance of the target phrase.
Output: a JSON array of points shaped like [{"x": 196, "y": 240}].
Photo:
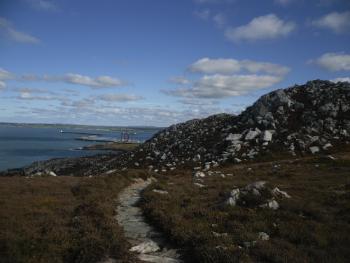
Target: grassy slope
[
  {"x": 70, "y": 219},
  {"x": 60, "y": 219},
  {"x": 115, "y": 146},
  {"x": 312, "y": 226}
]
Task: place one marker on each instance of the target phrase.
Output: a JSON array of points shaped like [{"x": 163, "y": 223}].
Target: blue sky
[{"x": 158, "y": 62}]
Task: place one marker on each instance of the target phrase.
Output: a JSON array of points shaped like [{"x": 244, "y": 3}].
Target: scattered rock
[
  {"x": 215, "y": 234},
  {"x": 277, "y": 192},
  {"x": 160, "y": 191},
  {"x": 252, "y": 134},
  {"x": 51, "y": 173},
  {"x": 263, "y": 236},
  {"x": 272, "y": 204},
  {"x": 314, "y": 149},
  {"x": 199, "y": 174},
  {"x": 234, "y": 197},
  {"x": 266, "y": 136}
]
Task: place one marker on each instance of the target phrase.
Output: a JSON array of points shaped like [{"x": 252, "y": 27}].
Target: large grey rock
[
  {"x": 252, "y": 134},
  {"x": 234, "y": 137},
  {"x": 266, "y": 136}
]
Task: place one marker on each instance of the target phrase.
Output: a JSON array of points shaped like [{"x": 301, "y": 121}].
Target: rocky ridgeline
[{"x": 308, "y": 118}]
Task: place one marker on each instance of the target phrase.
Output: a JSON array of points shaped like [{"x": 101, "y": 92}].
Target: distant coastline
[{"x": 23, "y": 144}]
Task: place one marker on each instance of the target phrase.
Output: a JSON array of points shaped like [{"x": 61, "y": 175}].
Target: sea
[{"x": 23, "y": 144}]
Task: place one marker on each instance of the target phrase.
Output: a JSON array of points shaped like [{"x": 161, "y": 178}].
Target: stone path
[{"x": 150, "y": 245}]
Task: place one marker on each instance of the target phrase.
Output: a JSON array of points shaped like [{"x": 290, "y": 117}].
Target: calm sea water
[{"x": 20, "y": 146}]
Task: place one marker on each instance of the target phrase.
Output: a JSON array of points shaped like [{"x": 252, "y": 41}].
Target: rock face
[{"x": 309, "y": 118}]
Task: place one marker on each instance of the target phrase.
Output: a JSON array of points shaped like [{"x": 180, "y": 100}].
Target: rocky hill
[
  {"x": 303, "y": 119},
  {"x": 309, "y": 118}
]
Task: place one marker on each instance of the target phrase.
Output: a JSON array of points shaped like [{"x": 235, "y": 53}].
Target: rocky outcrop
[
  {"x": 256, "y": 194},
  {"x": 303, "y": 119}
]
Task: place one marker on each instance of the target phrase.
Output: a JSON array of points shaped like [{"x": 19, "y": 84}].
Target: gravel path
[{"x": 148, "y": 243}]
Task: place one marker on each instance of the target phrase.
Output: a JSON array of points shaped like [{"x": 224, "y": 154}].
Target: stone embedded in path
[{"x": 146, "y": 247}]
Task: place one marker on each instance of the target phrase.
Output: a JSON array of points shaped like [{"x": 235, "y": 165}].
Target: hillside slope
[{"x": 307, "y": 118}]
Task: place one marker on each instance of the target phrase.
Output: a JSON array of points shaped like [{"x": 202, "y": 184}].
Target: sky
[{"x": 160, "y": 62}]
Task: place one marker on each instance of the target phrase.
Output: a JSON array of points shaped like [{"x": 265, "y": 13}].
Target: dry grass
[
  {"x": 312, "y": 226},
  {"x": 60, "y": 219}
]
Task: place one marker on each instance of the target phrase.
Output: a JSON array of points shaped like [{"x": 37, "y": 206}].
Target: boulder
[
  {"x": 266, "y": 136},
  {"x": 252, "y": 134},
  {"x": 233, "y": 137}
]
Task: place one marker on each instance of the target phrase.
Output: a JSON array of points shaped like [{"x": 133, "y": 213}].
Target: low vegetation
[
  {"x": 113, "y": 146},
  {"x": 60, "y": 219},
  {"x": 311, "y": 226}
]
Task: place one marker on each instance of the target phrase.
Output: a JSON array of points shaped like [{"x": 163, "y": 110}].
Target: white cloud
[
  {"x": 71, "y": 78},
  {"x": 284, "y": 2},
  {"x": 222, "y": 86},
  {"x": 77, "y": 79},
  {"x": 220, "y": 65},
  {"x": 229, "y": 66},
  {"x": 197, "y": 102},
  {"x": 220, "y": 19},
  {"x": 37, "y": 94},
  {"x": 179, "y": 80},
  {"x": 262, "y": 27},
  {"x": 345, "y": 79},
  {"x": 5, "y": 75},
  {"x": 98, "y": 82},
  {"x": 337, "y": 22},
  {"x": 333, "y": 61},
  {"x": 16, "y": 35},
  {"x": 202, "y": 14},
  {"x": 119, "y": 97},
  {"x": 26, "y": 95},
  {"x": 44, "y": 5},
  {"x": 2, "y": 85}
]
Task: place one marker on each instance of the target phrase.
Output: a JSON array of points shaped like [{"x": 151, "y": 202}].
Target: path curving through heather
[{"x": 148, "y": 243}]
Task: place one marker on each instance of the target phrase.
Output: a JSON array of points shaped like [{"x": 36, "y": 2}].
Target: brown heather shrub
[
  {"x": 312, "y": 226},
  {"x": 60, "y": 219}
]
